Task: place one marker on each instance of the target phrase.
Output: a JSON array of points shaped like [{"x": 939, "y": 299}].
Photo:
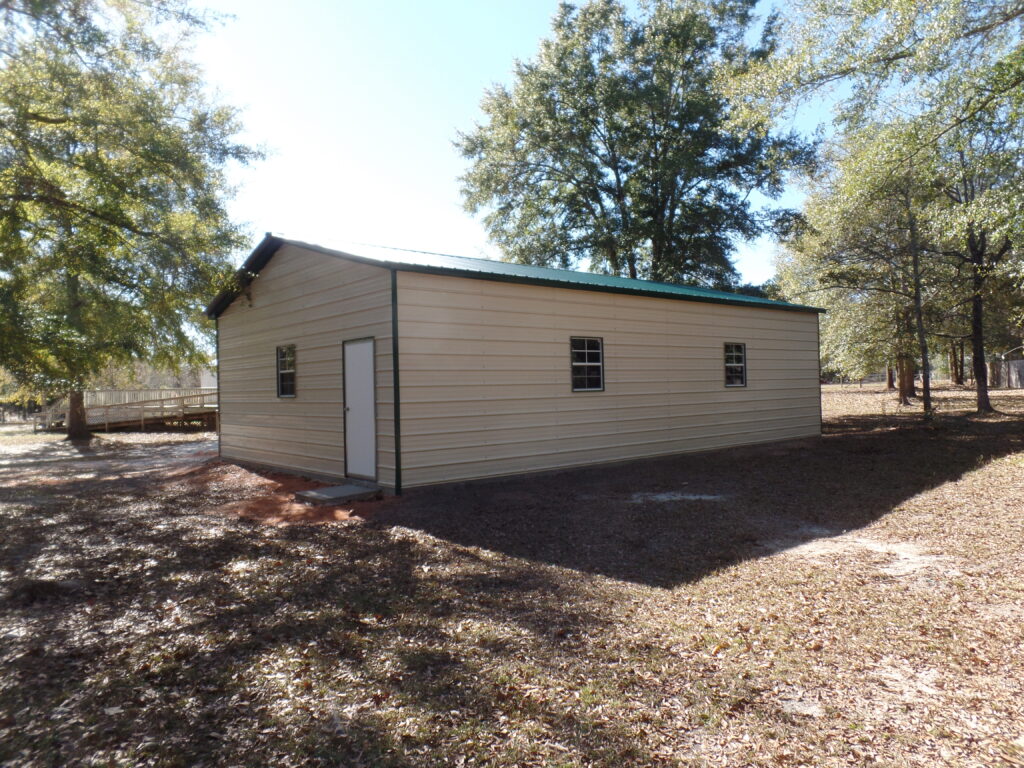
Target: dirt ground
[{"x": 853, "y": 600}]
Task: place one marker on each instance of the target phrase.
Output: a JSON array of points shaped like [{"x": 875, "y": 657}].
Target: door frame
[{"x": 344, "y": 407}]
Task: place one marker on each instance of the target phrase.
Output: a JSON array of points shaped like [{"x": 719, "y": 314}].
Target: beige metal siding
[
  {"x": 485, "y": 371},
  {"x": 314, "y": 301}
]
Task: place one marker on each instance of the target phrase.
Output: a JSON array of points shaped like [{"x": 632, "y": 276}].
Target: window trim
[
  {"x": 573, "y": 364},
  {"x": 277, "y": 358},
  {"x": 726, "y": 364}
]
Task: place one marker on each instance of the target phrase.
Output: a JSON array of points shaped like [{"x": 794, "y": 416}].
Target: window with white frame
[
  {"x": 286, "y": 371},
  {"x": 735, "y": 365},
  {"x": 587, "y": 364}
]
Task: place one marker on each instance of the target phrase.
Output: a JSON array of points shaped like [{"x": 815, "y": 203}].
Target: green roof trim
[{"x": 503, "y": 271}]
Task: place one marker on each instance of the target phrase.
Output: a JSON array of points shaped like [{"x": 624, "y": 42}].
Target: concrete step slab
[{"x": 338, "y": 494}]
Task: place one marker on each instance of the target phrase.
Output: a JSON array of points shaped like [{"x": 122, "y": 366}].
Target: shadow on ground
[
  {"x": 664, "y": 522},
  {"x": 137, "y": 629}
]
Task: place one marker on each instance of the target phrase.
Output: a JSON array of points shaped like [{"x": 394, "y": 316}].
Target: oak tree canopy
[{"x": 613, "y": 145}]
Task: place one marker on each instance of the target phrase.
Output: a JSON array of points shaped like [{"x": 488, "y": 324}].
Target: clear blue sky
[{"x": 357, "y": 104}]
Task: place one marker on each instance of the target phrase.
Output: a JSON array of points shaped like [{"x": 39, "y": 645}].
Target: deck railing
[
  {"x": 120, "y": 396},
  {"x": 107, "y": 408}
]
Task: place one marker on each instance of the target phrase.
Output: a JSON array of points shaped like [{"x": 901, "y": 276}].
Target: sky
[{"x": 357, "y": 104}]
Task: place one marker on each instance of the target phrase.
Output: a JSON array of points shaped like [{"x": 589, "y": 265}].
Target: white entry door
[{"x": 360, "y": 410}]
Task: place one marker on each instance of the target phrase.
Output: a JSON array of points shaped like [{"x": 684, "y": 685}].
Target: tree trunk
[
  {"x": 905, "y": 379},
  {"x": 922, "y": 338},
  {"x": 890, "y": 378},
  {"x": 995, "y": 374},
  {"x": 978, "y": 345},
  {"x": 956, "y": 363},
  {"x": 78, "y": 429}
]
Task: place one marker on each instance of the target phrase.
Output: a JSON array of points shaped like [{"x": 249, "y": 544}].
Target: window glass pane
[
  {"x": 287, "y": 384},
  {"x": 286, "y": 358},
  {"x": 587, "y": 362},
  {"x": 286, "y": 371},
  {"x": 735, "y": 365}
]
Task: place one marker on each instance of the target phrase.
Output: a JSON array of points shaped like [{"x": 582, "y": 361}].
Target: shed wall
[
  {"x": 314, "y": 301},
  {"x": 485, "y": 372}
]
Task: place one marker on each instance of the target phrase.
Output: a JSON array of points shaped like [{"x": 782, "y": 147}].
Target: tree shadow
[
  {"x": 150, "y": 633},
  {"x": 668, "y": 521},
  {"x": 170, "y": 636}
]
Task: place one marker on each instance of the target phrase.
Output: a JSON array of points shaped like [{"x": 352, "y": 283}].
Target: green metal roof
[{"x": 486, "y": 269}]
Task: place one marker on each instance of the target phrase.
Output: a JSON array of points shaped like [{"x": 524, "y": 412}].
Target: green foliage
[
  {"x": 113, "y": 228},
  {"x": 612, "y": 146},
  {"x": 941, "y": 83},
  {"x": 912, "y": 53},
  {"x": 855, "y": 255},
  {"x": 979, "y": 169}
]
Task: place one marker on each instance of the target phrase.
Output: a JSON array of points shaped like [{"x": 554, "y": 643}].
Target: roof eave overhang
[
  {"x": 245, "y": 274},
  {"x": 645, "y": 293}
]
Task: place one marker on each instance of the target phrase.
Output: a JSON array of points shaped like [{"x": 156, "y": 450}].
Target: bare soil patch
[{"x": 854, "y": 600}]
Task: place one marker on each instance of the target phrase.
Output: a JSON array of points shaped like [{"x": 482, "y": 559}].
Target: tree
[
  {"x": 113, "y": 226},
  {"x": 952, "y": 68},
  {"x": 969, "y": 51},
  {"x": 862, "y": 331},
  {"x": 613, "y": 146},
  {"x": 865, "y": 249},
  {"x": 978, "y": 169}
]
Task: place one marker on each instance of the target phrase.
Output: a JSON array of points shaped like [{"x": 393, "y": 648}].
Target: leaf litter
[{"x": 851, "y": 601}]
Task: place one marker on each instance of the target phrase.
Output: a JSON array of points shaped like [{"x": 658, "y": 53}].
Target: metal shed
[{"x": 407, "y": 368}]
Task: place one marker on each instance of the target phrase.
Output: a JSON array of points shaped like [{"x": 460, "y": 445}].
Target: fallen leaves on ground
[{"x": 852, "y": 600}]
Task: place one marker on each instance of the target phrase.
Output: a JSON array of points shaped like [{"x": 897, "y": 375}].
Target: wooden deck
[{"x": 138, "y": 409}]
